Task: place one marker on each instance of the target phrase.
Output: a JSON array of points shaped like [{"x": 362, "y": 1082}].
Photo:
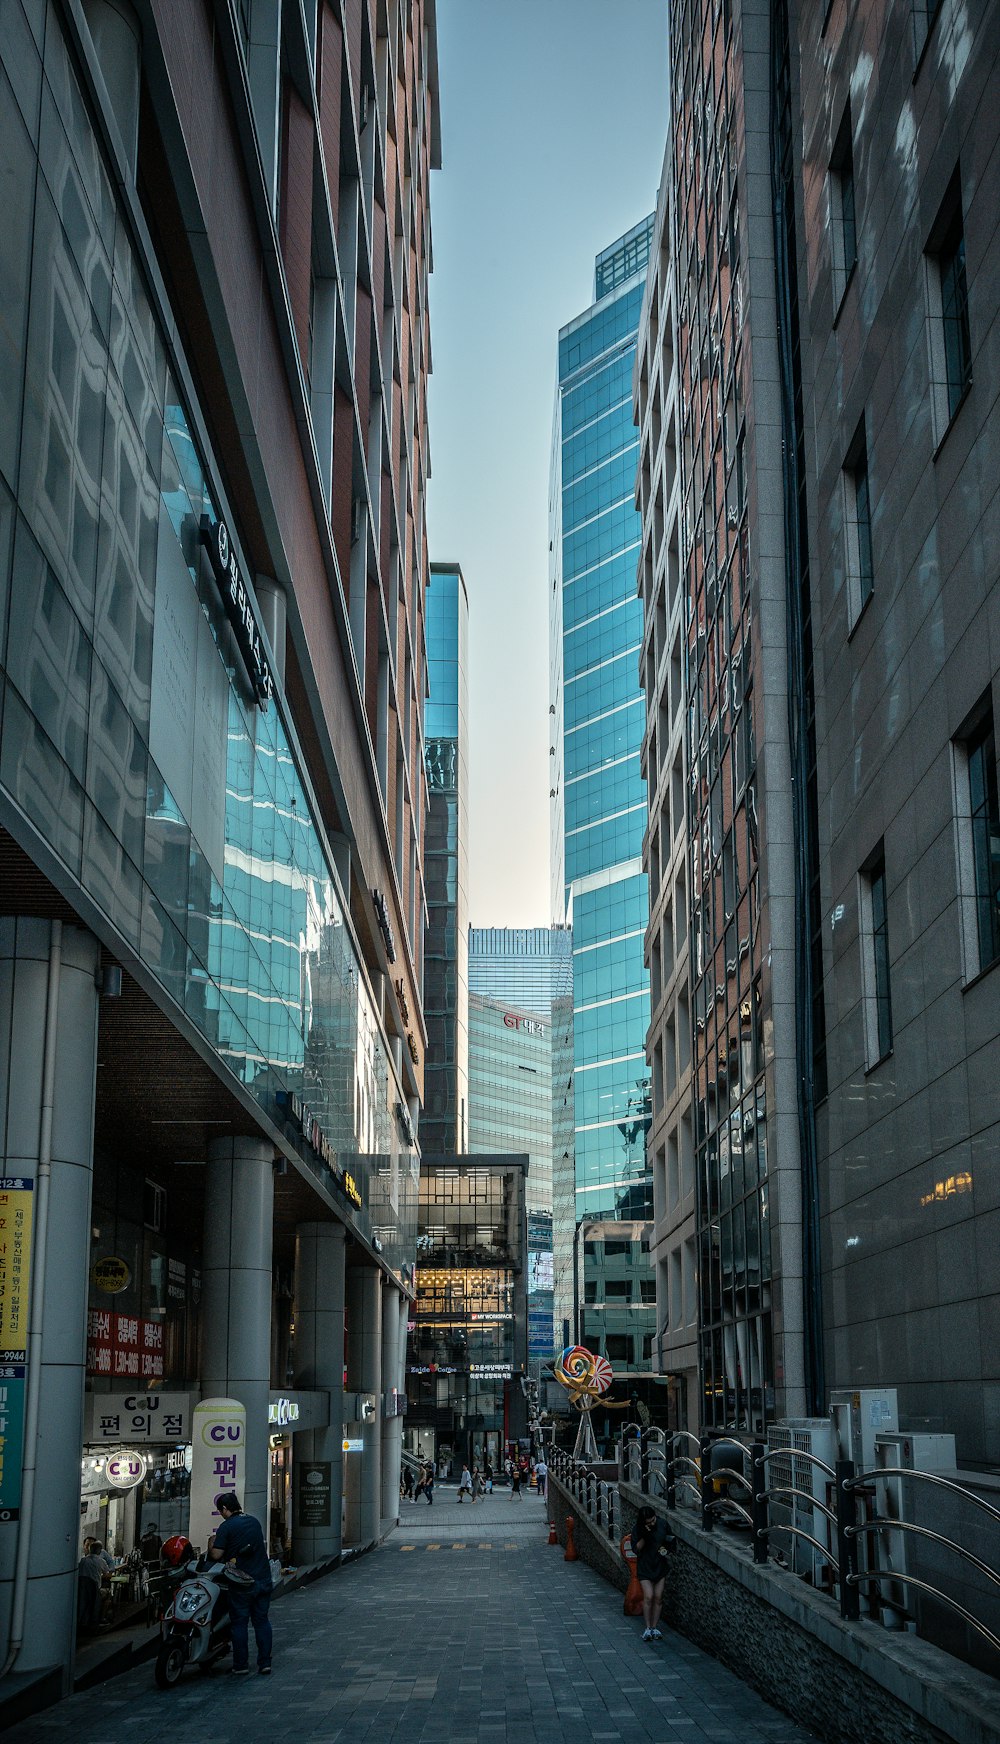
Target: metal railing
[
  {"x": 662, "y": 1465},
  {"x": 596, "y": 1497}
]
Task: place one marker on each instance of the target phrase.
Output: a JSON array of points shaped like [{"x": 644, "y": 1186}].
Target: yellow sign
[
  {"x": 15, "y": 1260},
  {"x": 111, "y": 1275}
]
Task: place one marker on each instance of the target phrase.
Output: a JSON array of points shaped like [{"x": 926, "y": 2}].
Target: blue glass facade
[
  {"x": 444, "y": 1124},
  {"x": 599, "y": 714}
]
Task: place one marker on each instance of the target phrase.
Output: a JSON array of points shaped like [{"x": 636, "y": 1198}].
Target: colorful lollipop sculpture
[{"x": 586, "y": 1378}]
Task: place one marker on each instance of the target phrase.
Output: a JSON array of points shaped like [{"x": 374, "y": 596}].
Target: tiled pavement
[{"x": 447, "y": 1635}]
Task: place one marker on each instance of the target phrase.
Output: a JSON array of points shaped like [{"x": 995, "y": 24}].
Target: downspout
[{"x": 33, "y": 1389}]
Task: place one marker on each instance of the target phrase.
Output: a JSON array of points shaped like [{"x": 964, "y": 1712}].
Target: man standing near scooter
[{"x": 240, "y": 1540}]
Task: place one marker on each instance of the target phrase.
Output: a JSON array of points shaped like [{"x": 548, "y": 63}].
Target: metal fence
[
  {"x": 596, "y": 1497},
  {"x": 860, "y": 1531}
]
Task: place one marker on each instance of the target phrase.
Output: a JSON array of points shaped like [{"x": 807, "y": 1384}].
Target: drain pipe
[{"x": 33, "y": 1389}]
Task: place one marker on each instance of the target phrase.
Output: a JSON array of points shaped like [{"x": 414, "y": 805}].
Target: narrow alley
[{"x": 466, "y": 1627}]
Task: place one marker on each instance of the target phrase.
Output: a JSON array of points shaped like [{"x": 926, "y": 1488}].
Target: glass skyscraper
[
  {"x": 520, "y": 1000},
  {"x": 444, "y": 1122},
  {"x": 598, "y": 792}
]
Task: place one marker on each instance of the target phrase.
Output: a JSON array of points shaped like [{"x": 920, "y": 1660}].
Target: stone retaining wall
[{"x": 851, "y": 1683}]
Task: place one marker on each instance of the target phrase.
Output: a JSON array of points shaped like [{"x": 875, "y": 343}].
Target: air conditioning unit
[
  {"x": 858, "y": 1417},
  {"x": 802, "y": 1436},
  {"x": 900, "y": 1552}
]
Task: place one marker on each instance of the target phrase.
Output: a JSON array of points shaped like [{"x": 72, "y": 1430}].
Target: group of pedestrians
[{"x": 410, "y": 1488}]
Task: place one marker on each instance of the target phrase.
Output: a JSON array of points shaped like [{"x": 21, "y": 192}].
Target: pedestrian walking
[
  {"x": 488, "y": 1477},
  {"x": 477, "y": 1485},
  {"x": 406, "y": 1484},
  {"x": 428, "y": 1485},
  {"x": 652, "y": 1541},
  {"x": 541, "y": 1475},
  {"x": 515, "y": 1483},
  {"x": 465, "y": 1483},
  {"x": 240, "y": 1540}
]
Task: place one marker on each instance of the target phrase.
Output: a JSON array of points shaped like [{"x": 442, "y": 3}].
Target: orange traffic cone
[
  {"x": 632, "y": 1604},
  {"x": 571, "y": 1554},
  {"x": 553, "y": 1536}
]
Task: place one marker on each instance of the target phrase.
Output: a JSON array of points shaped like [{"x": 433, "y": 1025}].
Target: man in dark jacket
[{"x": 240, "y": 1541}]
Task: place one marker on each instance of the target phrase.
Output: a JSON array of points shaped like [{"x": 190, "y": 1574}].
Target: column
[
  {"x": 236, "y": 1296},
  {"x": 392, "y": 1427},
  {"x": 48, "y": 1071},
  {"x": 364, "y": 1375},
  {"x": 319, "y": 1362}
]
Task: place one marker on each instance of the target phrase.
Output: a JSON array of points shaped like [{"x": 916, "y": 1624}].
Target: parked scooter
[{"x": 195, "y": 1627}]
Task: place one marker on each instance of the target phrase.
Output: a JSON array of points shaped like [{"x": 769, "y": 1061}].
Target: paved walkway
[{"x": 465, "y": 1628}]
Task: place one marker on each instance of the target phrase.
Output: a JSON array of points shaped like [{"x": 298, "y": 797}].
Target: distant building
[
  {"x": 444, "y": 1123},
  {"x": 665, "y": 854},
  {"x": 467, "y": 1347},
  {"x": 520, "y": 992},
  {"x": 597, "y": 789}
]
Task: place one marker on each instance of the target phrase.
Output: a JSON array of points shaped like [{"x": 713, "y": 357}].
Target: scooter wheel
[{"x": 170, "y": 1662}]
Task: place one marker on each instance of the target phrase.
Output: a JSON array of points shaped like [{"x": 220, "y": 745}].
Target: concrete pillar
[
  {"x": 236, "y": 1295},
  {"x": 392, "y": 1427},
  {"x": 364, "y": 1375},
  {"x": 319, "y": 1362},
  {"x": 43, "y": 961}
]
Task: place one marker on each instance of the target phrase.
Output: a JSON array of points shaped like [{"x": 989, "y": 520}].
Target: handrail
[
  {"x": 796, "y": 1453},
  {"x": 682, "y": 1459},
  {"x": 789, "y": 1490},
  {"x": 883, "y": 1523},
  {"x": 688, "y": 1436},
  {"x": 728, "y": 1471},
  {"x": 901, "y": 1471},
  {"x": 727, "y": 1502},
  {"x": 910, "y": 1580},
  {"x": 798, "y": 1532}
]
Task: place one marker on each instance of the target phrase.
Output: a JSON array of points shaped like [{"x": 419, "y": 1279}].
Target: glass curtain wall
[
  {"x": 598, "y": 717},
  {"x": 133, "y": 751}
]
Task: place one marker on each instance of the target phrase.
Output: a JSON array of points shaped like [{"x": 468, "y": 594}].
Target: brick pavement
[{"x": 446, "y": 1635}]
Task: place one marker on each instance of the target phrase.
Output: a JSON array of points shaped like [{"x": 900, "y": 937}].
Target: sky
[{"x": 553, "y": 127}]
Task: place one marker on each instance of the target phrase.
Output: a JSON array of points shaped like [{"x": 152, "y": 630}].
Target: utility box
[
  {"x": 918, "y": 1452},
  {"x": 800, "y": 1469},
  {"x": 858, "y": 1417},
  {"x": 899, "y": 1553}
]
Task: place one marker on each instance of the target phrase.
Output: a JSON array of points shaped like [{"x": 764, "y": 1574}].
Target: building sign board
[
  {"x": 125, "y": 1469},
  {"x": 292, "y": 1108},
  {"x": 147, "y": 1416},
  {"x": 313, "y": 1496},
  {"x": 12, "y": 1383},
  {"x": 123, "y": 1346},
  {"x": 111, "y": 1275},
  {"x": 353, "y": 1444},
  {"x": 241, "y": 609}
]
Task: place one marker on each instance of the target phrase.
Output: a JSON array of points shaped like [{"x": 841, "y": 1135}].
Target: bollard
[
  {"x": 571, "y": 1554},
  {"x": 553, "y": 1534},
  {"x": 632, "y": 1602}
]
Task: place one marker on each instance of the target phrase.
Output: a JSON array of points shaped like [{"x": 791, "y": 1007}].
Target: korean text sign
[{"x": 218, "y": 1462}]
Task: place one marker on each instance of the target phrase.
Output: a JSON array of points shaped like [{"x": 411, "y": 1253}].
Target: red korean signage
[{"x": 123, "y": 1346}]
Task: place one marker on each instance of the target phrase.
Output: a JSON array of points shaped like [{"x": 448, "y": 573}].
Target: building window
[
  {"x": 948, "y": 291},
  {"x": 978, "y": 812},
  {"x": 875, "y": 960},
  {"x": 844, "y": 234},
  {"x": 924, "y": 14},
  {"x": 858, "y": 525},
  {"x": 618, "y": 1347}
]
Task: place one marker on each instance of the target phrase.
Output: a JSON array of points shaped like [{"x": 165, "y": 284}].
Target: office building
[
  {"x": 520, "y": 994},
  {"x": 213, "y": 455},
  {"x": 468, "y": 1346},
  {"x": 838, "y": 436},
  {"x": 444, "y": 1123},
  {"x": 665, "y": 850},
  {"x": 598, "y": 791}
]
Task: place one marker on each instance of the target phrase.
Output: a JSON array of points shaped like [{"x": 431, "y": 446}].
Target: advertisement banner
[
  {"x": 314, "y": 1494},
  {"x": 218, "y": 1462},
  {"x": 16, "y": 1194},
  {"x": 12, "y": 1378},
  {"x": 123, "y": 1346}
]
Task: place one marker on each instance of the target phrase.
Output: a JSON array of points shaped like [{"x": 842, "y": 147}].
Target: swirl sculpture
[{"x": 585, "y": 1376}]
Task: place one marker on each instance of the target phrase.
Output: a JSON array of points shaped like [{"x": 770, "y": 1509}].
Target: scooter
[{"x": 196, "y": 1626}]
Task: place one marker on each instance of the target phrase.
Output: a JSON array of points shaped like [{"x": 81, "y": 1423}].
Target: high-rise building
[
  {"x": 520, "y": 992},
  {"x": 598, "y": 790},
  {"x": 213, "y": 455},
  {"x": 444, "y": 1123},
  {"x": 674, "y": 1243},
  {"x": 834, "y": 245}
]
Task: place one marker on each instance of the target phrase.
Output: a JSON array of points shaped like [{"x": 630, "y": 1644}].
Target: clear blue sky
[{"x": 553, "y": 127}]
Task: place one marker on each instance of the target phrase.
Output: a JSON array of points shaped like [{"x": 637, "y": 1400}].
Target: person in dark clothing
[
  {"x": 240, "y": 1540},
  {"x": 652, "y": 1541},
  {"x": 429, "y": 1482}
]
